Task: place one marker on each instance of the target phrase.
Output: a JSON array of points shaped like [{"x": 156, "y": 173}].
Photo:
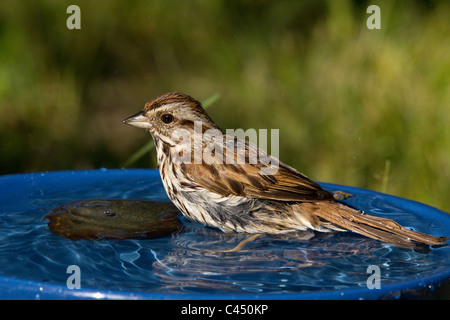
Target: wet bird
[{"x": 211, "y": 180}]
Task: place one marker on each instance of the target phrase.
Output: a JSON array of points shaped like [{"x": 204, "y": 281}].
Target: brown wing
[
  {"x": 257, "y": 180},
  {"x": 247, "y": 180}
]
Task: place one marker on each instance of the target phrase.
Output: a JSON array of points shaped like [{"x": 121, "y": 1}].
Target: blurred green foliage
[{"x": 368, "y": 108}]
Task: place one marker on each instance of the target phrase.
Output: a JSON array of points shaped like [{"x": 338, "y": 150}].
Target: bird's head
[{"x": 165, "y": 114}]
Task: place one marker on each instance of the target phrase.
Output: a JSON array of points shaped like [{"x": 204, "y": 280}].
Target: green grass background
[{"x": 360, "y": 107}]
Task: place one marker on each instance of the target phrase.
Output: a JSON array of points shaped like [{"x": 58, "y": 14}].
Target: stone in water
[{"x": 113, "y": 219}]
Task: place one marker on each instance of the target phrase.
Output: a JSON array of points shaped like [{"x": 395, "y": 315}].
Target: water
[{"x": 185, "y": 262}]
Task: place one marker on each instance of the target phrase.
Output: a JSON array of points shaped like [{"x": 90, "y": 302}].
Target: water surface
[{"x": 185, "y": 262}]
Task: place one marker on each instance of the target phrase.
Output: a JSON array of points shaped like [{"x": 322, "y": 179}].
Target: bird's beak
[{"x": 138, "y": 120}]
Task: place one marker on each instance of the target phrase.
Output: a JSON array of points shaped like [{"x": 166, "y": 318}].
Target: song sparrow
[{"x": 223, "y": 189}]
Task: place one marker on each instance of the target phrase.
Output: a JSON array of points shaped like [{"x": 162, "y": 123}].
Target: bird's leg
[{"x": 239, "y": 246}]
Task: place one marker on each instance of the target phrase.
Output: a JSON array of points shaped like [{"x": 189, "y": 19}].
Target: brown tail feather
[{"x": 375, "y": 227}]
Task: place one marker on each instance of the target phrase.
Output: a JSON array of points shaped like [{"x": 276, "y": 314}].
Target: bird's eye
[{"x": 167, "y": 118}]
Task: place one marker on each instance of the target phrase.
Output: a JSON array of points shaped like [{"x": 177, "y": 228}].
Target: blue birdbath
[{"x": 190, "y": 263}]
